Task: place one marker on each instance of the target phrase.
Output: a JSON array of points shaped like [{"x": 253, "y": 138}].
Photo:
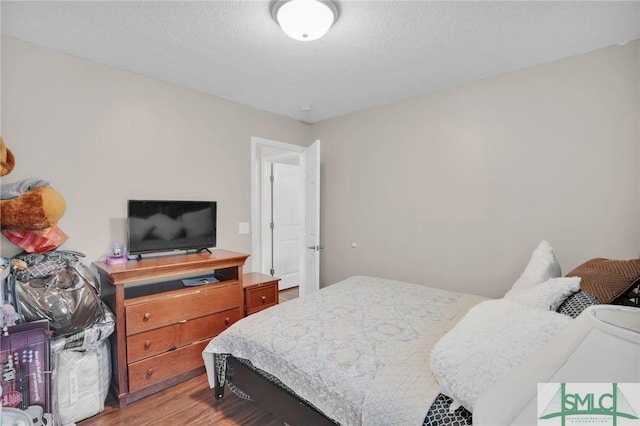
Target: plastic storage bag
[
  {"x": 82, "y": 382},
  {"x": 58, "y": 287}
]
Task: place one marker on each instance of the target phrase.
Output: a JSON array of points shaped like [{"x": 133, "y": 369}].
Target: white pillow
[
  {"x": 542, "y": 266},
  {"x": 492, "y": 338},
  {"x": 546, "y": 296}
]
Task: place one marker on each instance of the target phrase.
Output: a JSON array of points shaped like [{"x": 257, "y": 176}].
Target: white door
[
  {"x": 309, "y": 161},
  {"x": 286, "y": 219},
  {"x": 311, "y": 272}
]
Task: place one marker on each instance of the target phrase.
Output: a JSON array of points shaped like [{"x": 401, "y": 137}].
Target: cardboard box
[{"x": 25, "y": 358}]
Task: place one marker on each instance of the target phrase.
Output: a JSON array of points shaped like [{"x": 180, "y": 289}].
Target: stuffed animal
[
  {"x": 7, "y": 161},
  {"x": 28, "y": 205},
  {"x": 36, "y": 209}
]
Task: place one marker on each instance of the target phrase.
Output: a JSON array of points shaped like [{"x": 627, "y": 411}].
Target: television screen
[{"x": 156, "y": 226}]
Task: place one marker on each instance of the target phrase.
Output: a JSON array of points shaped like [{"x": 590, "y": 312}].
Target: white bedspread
[{"x": 358, "y": 350}]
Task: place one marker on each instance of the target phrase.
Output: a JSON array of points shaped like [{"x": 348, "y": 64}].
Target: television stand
[
  {"x": 162, "y": 326},
  {"x": 203, "y": 249}
]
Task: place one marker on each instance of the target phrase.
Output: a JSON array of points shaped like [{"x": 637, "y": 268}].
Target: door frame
[{"x": 256, "y": 177}]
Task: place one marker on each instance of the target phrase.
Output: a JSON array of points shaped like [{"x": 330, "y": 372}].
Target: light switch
[{"x": 243, "y": 227}]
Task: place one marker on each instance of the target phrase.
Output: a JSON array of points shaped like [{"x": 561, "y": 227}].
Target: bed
[
  {"x": 601, "y": 347},
  {"x": 374, "y": 351}
]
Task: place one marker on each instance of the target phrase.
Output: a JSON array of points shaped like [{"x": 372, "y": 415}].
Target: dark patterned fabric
[
  {"x": 631, "y": 297},
  {"x": 576, "y": 303},
  {"x": 220, "y": 361},
  {"x": 221, "y": 367},
  {"x": 270, "y": 377},
  {"x": 239, "y": 392},
  {"x": 439, "y": 414},
  {"x": 42, "y": 265}
]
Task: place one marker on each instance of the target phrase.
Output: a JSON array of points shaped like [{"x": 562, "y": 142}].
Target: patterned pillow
[
  {"x": 577, "y": 303},
  {"x": 607, "y": 279},
  {"x": 440, "y": 415}
]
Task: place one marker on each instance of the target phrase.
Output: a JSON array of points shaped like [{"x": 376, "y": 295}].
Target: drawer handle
[
  {"x": 147, "y": 315},
  {"x": 147, "y": 343},
  {"x": 227, "y": 321},
  {"x": 263, "y": 298},
  {"x": 149, "y": 372}
]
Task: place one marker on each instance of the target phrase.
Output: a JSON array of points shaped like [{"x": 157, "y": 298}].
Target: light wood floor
[
  {"x": 288, "y": 294},
  {"x": 189, "y": 403}
]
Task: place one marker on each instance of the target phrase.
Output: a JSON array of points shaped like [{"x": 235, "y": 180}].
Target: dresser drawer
[
  {"x": 172, "y": 309},
  {"x": 261, "y": 296},
  {"x": 154, "y": 342},
  {"x": 158, "y": 368}
]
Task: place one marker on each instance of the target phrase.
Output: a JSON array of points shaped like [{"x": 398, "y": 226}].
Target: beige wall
[
  {"x": 102, "y": 136},
  {"x": 456, "y": 188},
  {"x": 452, "y": 189}
]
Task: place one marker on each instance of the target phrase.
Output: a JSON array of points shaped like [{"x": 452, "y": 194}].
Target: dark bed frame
[{"x": 287, "y": 406}]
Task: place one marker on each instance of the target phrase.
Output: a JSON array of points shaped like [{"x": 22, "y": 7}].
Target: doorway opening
[
  {"x": 284, "y": 213},
  {"x": 281, "y": 205}
]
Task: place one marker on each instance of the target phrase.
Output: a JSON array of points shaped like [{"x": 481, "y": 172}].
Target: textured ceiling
[{"x": 378, "y": 52}]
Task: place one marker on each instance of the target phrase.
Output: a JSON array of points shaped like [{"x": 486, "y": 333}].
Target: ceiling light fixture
[{"x": 304, "y": 20}]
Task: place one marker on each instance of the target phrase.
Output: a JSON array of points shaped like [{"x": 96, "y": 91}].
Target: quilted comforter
[{"x": 357, "y": 350}]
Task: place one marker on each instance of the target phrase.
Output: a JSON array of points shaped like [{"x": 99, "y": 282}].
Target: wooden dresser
[
  {"x": 260, "y": 292},
  {"x": 162, "y": 326}
]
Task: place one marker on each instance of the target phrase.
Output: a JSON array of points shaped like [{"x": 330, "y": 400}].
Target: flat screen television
[{"x": 170, "y": 225}]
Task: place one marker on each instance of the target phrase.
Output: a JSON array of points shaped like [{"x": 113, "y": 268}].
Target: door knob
[{"x": 315, "y": 248}]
